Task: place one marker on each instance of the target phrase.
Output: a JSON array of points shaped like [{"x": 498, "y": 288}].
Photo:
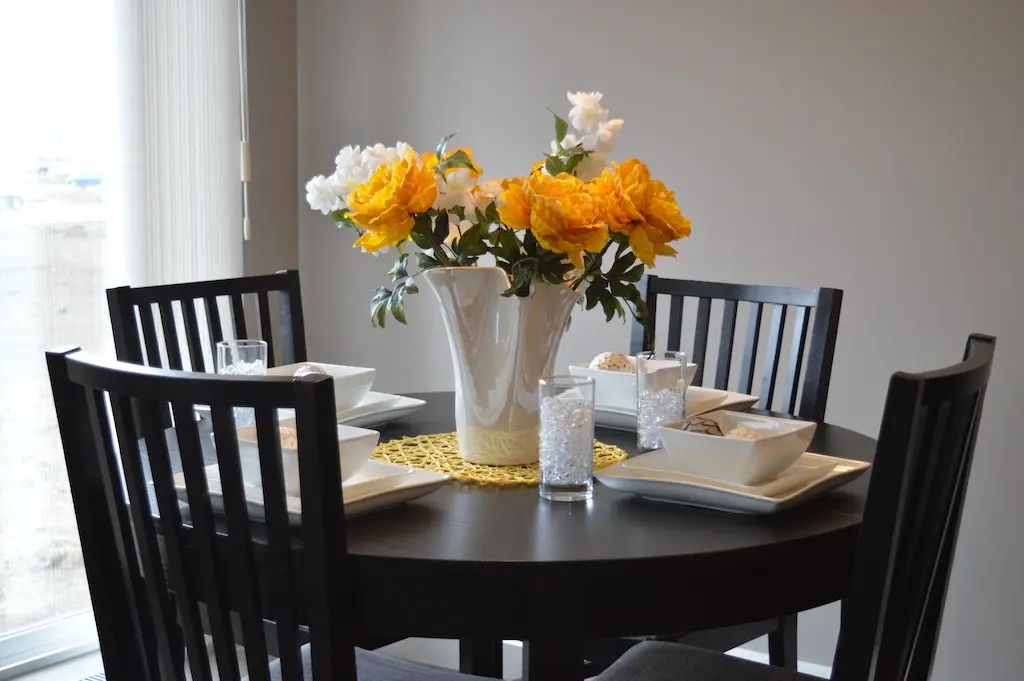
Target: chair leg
[{"x": 782, "y": 643}]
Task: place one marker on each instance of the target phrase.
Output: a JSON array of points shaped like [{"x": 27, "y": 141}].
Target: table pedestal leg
[
  {"x": 553, "y": 660},
  {"x": 480, "y": 656}
]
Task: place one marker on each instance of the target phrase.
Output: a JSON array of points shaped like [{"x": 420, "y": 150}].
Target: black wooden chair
[
  {"x": 153, "y": 561},
  {"x": 891, "y": 617},
  {"x": 806, "y": 359},
  {"x": 808, "y": 363},
  {"x": 223, "y": 304}
]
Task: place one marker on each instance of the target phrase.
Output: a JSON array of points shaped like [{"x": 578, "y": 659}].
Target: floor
[
  {"x": 442, "y": 653},
  {"x": 439, "y": 652}
]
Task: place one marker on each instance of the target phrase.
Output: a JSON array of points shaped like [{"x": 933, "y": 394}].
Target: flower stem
[{"x": 595, "y": 266}]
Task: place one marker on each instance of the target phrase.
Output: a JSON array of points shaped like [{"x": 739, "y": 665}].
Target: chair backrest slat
[
  {"x": 193, "y": 336},
  {"x": 266, "y": 327},
  {"x": 236, "y": 514},
  {"x": 796, "y": 358},
  {"x": 213, "y": 323},
  {"x": 279, "y": 554},
  {"x": 893, "y": 609},
  {"x": 700, "y": 340},
  {"x": 167, "y": 565},
  {"x": 170, "y": 330},
  {"x": 163, "y": 343},
  {"x": 155, "y": 600},
  {"x": 804, "y": 370},
  {"x": 675, "y": 324},
  {"x": 238, "y": 315},
  {"x": 748, "y": 363},
  {"x": 725, "y": 345},
  {"x": 773, "y": 352},
  {"x": 171, "y": 524},
  {"x": 212, "y": 577},
  {"x": 148, "y": 322}
]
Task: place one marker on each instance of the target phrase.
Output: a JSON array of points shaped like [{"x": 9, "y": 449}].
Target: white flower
[
  {"x": 456, "y": 189},
  {"x": 603, "y": 139},
  {"x": 348, "y": 156},
  {"x": 456, "y": 228},
  {"x": 586, "y": 113},
  {"x": 324, "y": 194},
  {"x": 570, "y": 141},
  {"x": 591, "y": 166},
  {"x": 489, "y": 191},
  {"x": 378, "y": 252}
]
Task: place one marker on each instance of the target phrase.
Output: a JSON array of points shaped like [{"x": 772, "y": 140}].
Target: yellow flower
[
  {"x": 641, "y": 208},
  {"x": 564, "y": 213},
  {"x": 385, "y": 204}
]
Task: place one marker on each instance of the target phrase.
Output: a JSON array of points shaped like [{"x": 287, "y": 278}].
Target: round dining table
[{"x": 482, "y": 564}]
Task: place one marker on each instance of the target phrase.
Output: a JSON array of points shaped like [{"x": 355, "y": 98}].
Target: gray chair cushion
[
  {"x": 658, "y": 661},
  {"x": 372, "y": 666}
]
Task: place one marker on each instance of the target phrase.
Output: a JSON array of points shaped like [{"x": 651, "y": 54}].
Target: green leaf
[
  {"x": 460, "y": 212},
  {"x": 621, "y": 264},
  {"x": 634, "y": 275},
  {"x": 379, "y": 306},
  {"x": 397, "y": 304},
  {"x": 619, "y": 289},
  {"x": 426, "y": 261},
  {"x": 491, "y": 215},
  {"x": 442, "y": 146},
  {"x": 421, "y": 240},
  {"x": 595, "y": 291},
  {"x": 570, "y": 165},
  {"x": 554, "y": 166},
  {"x": 410, "y": 287},
  {"x": 561, "y": 127},
  {"x": 458, "y": 159},
  {"x": 522, "y": 273},
  {"x": 472, "y": 242},
  {"x": 530, "y": 244},
  {"x": 400, "y": 269},
  {"x": 506, "y": 245},
  {"x": 441, "y": 227},
  {"x": 611, "y": 306}
]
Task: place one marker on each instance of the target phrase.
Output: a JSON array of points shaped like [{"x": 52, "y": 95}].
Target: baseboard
[{"x": 818, "y": 670}]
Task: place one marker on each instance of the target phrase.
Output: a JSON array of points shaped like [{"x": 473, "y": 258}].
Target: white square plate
[
  {"x": 651, "y": 476},
  {"x": 377, "y": 485}
]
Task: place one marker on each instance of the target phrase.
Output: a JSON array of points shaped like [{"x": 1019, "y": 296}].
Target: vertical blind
[{"x": 178, "y": 186}]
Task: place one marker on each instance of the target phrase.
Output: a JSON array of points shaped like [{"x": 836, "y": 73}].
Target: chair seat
[
  {"x": 372, "y": 666},
  {"x": 658, "y": 661}
]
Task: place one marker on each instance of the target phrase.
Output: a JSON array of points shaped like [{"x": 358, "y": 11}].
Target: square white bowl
[
  {"x": 351, "y": 384},
  {"x": 355, "y": 445},
  {"x": 738, "y": 460},
  {"x": 617, "y": 389}
]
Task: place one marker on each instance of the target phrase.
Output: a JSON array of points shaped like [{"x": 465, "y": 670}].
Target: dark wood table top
[
  {"x": 491, "y": 560},
  {"x": 497, "y": 563}
]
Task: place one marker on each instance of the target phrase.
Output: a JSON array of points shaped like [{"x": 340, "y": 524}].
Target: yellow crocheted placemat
[{"x": 440, "y": 453}]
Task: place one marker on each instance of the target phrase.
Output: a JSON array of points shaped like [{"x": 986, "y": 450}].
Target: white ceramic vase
[{"x": 500, "y": 348}]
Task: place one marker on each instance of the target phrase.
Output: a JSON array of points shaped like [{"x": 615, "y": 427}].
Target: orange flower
[
  {"x": 641, "y": 208},
  {"x": 564, "y": 214},
  {"x": 385, "y": 204}
]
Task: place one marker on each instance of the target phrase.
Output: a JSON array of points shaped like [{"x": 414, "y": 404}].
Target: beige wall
[
  {"x": 870, "y": 145},
  {"x": 273, "y": 112}
]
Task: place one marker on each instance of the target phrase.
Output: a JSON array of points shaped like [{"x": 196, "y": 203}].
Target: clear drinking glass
[
  {"x": 243, "y": 357},
  {"x": 567, "y": 438},
  {"x": 661, "y": 395}
]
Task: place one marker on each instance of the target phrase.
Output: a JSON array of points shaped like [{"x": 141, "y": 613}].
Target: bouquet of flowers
[{"x": 554, "y": 225}]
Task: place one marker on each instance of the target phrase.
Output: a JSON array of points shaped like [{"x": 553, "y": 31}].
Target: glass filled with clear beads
[
  {"x": 661, "y": 395},
  {"x": 243, "y": 357},
  {"x": 567, "y": 438}
]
